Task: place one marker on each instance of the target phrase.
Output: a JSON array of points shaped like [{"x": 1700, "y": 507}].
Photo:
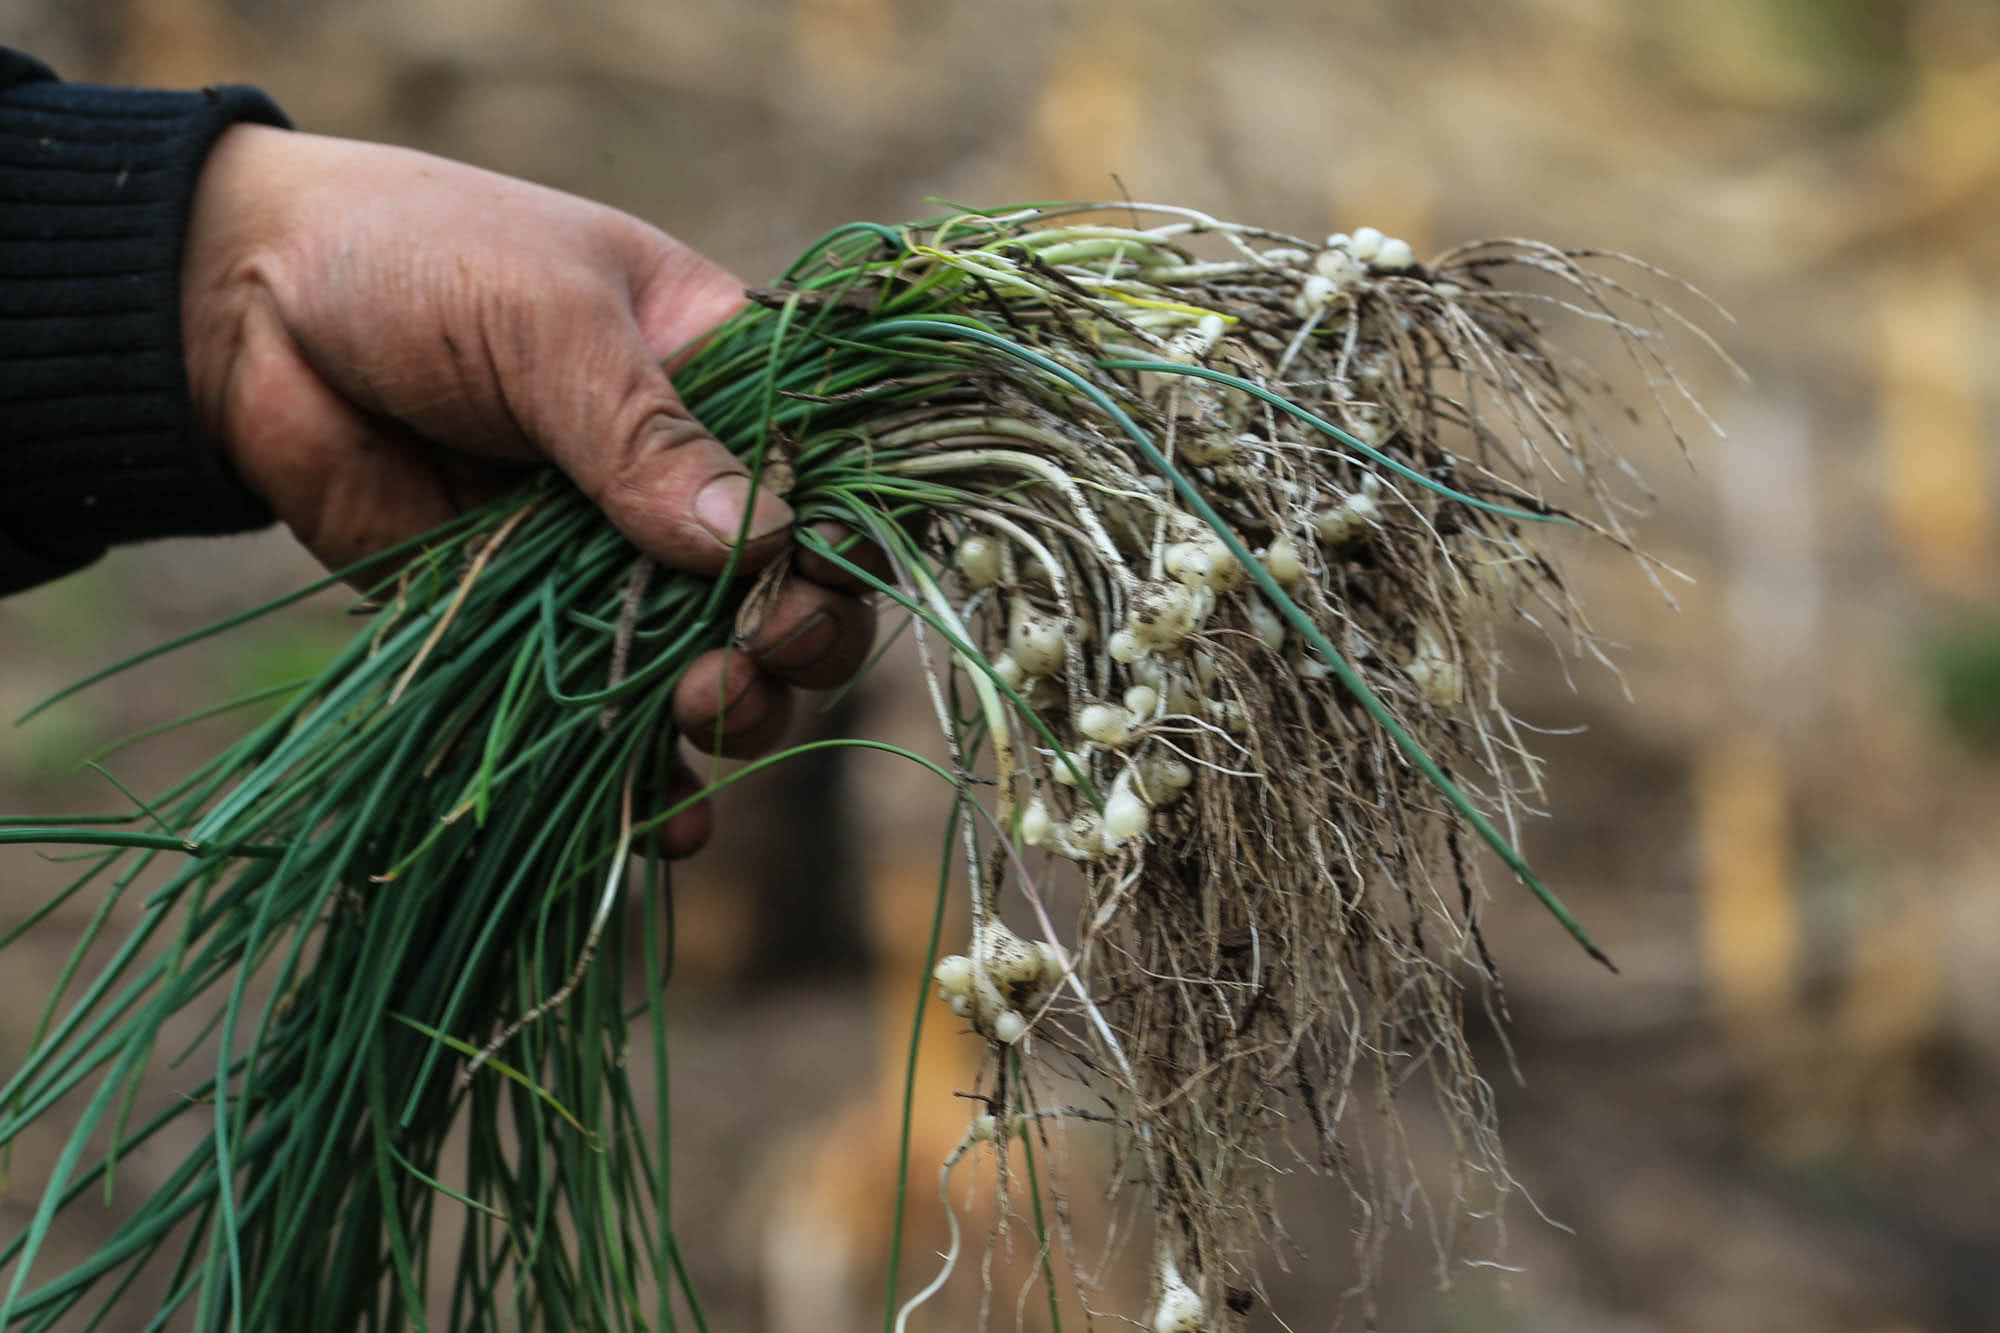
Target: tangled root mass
[{"x": 1279, "y": 916}]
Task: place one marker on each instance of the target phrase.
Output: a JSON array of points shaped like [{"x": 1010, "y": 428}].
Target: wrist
[{"x": 231, "y": 261}]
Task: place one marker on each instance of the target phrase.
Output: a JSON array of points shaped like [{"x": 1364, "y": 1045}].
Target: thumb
[
  {"x": 621, "y": 432},
  {"x": 681, "y": 497}
]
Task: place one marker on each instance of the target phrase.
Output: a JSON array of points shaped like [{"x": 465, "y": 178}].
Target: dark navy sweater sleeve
[{"x": 98, "y": 444}]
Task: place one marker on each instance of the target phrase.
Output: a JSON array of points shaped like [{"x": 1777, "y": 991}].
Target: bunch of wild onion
[{"x": 1203, "y": 551}]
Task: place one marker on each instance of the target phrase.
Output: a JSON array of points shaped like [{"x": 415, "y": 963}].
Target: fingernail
[
  {"x": 719, "y": 508},
  {"x": 803, "y": 646}
]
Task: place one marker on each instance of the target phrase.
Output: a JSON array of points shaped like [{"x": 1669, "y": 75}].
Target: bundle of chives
[{"x": 1205, "y": 553}]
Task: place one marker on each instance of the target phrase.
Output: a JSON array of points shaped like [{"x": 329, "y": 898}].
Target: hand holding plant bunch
[
  {"x": 382, "y": 339},
  {"x": 1205, "y": 532}
]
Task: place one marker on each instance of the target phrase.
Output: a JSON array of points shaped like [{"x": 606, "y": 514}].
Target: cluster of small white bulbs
[
  {"x": 1003, "y": 980},
  {"x": 1347, "y": 261},
  {"x": 1168, "y": 677}
]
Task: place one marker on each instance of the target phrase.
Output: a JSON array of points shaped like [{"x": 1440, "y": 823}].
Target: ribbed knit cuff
[{"x": 97, "y": 438}]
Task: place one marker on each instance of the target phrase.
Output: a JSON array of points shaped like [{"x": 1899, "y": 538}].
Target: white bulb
[
  {"x": 1315, "y": 294},
  {"x": 1008, "y": 671},
  {"x": 1338, "y": 268},
  {"x": 1335, "y": 525},
  {"x": 1224, "y": 571},
  {"x": 1141, "y": 701},
  {"x": 1368, "y": 424},
  {"x": 1059, "y": 769},
  {"x": 1267, "y": 624},
  {"x": 1192, "y": 344},
  {"x": 1281, "y": 560},
  {"x": 1083, "y": 840},
  {"x": 953, "y": 974},
  {"x": 1202, "y": 605},
  {"x": 1125, "y": 814},
  {"x": 1186, "y": 562},
  {"x": 1180, "y": 1310},
  {"x": 1433, "y": 672},
  {"x": 1395, "y": 255},
  {"x": 1010, "y": 962},
  {"x": 1036, "y": 825},
  {"x": 978, "y": 561},
  {"x": 1124, "y": 646},
  {"x": 1164, "y": 775},
  {"x": 1035, "y": 640},
  {"x": 1162, "y": 614},
  {"x": 1009, "y": 1027},
  {"x": 1338, "y": 524},
  {"x": 959, "y": 1004},
  {"x": 984, "y": 1128},
  {"x": 1107, "y": 724},
  {"x": 1365, "y": 243}
]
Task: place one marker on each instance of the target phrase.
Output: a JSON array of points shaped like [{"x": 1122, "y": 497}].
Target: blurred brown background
[{"x": 1785, "y": 1115}]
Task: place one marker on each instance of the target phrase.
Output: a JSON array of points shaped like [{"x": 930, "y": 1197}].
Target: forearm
[{"x": 98, "y": 443}]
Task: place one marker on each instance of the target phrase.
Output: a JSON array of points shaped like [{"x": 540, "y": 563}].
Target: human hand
[{"x": 380, "y": 339}]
